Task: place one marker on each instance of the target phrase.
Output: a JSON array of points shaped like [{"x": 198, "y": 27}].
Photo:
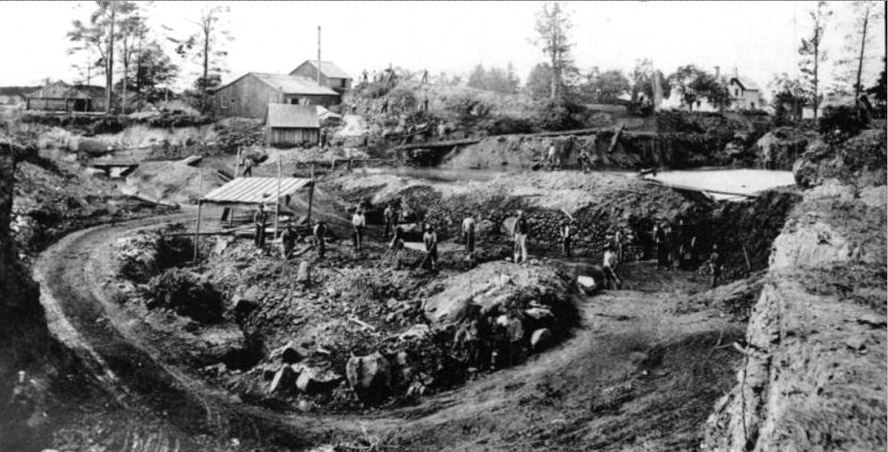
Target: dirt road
[{"x": 634, "y": 375}]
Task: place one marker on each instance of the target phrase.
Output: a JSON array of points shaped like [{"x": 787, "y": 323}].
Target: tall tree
[
  {"x": 866, "y": 12},
  {"x": 553, "y": 25},
  {"x": 644, "y": 76},
  {"x": 693, "y": 84},
  {"x": 812, "y": 53},
  {"x": 477, "y": 78},
  {"x": 132, "y": 32},
  {"x": 610, "y": 85},
  {"x": 539, "y": 81},
  {"x": 99, "y": 35},
  {"x": 789, "y": 96},
  {"x": 207, "y": 46}
]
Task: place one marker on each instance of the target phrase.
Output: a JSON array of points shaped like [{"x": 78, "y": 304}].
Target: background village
[{"x": 387, "y": 258}]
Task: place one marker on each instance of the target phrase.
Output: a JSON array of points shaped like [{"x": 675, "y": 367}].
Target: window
[
  {"x": 223, "y": 102},
  {"x": 752, "y": 106},
  {"x": 344, "y": 83}
]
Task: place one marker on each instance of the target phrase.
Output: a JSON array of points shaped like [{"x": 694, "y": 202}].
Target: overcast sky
[{"x": 759, "y": 38}]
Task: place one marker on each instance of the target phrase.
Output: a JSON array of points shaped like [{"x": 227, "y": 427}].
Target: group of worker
[
  {"x": 289, "y": 236},
  {"x": 678, "y": 248},
  {"x": 673, "y": 248}
]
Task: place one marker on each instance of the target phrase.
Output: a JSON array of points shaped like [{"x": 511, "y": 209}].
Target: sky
[{"x": 760, "y": 39}]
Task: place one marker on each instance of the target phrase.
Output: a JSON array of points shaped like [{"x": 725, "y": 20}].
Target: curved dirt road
[{"x": 73, "y": 276}]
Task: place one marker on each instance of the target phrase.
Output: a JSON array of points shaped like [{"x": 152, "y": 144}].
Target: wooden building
[
  {"x": 249, "y": 95},
  {"x": 332, "y": 76},
  {"x": 60, "y": 96},
  {"x": 292, "y": 125}
]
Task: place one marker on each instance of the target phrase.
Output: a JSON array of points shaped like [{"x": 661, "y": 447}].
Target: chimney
[
  {"x": 717, "y": 72},
  {"x": 319, "y": 55},
  {"x": 736, "y": 72}
]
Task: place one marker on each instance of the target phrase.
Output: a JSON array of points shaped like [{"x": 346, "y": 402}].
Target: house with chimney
[
  {"x": 332, "y": 76},
  {"x": 744, "y": 91}
]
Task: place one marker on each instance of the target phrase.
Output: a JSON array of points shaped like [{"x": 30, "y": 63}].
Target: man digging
[{"x": 259, "y": 221}]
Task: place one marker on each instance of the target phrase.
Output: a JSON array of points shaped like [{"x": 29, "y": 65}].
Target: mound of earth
[
  {"x": 814, "y": 375},
  {"x": 171, "y": 183}
]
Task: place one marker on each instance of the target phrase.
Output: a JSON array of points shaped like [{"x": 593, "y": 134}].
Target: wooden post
[
  {"x": 311, "y": 195},
  {"x": 237, "y": 162},
  {"x": 199, "y": 206},
  {"x": 197, "y": 230},
  {"x": 277, "y": 202}
]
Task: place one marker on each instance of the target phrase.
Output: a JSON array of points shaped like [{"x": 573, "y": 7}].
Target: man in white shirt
[
  {"x": 358, "y": 223},
  {"x": 611, "y": 280},
  {"x": 468, "y": 230}
]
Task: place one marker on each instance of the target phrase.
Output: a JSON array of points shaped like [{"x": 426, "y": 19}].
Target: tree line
[{"x": 117, "y": 45}]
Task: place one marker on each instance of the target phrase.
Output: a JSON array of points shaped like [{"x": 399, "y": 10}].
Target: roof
[
  {"x": 292, "y": 116},
  {"x": 59, "y": 90},
  {"x": 747, "y": 83},
  {"x": 330, "y": 69},
  {"x": 255, "y": 190},
  {"x": 288, "y": 84}
]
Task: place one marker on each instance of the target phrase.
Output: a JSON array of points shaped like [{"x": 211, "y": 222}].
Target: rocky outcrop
[
  {"x": 859, "y": 161},
  {"x": 814, "y": 374}
]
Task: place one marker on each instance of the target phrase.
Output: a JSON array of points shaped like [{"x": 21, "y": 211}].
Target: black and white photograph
[{"x": 443, "y": 226}]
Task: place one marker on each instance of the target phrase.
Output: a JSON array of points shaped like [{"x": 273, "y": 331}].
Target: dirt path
[{"x": 631, "y": 364}]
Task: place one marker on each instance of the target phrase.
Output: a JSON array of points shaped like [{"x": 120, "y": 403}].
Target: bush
[
  {"x": 187, "y": 294},
  {"x": 507, "y": 125},
  {"x": 842, "y": 122},
  {"x": 557, "y": 115},
  {"x": 468, "y": 108}
]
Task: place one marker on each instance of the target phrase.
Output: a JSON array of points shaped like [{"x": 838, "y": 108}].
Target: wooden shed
[
  {"x": 249, "y": 95},
  {"x": 292, "y": 125},
  {"x": 60, "y": 96},
  {"x": 332, "y": 75}
]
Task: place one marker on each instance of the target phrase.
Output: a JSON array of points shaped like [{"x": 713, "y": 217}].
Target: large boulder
[
  {"x": 494, "y": 284},
  {"x": 370, "y": 377},
  {"x": 313, "y": 380}
]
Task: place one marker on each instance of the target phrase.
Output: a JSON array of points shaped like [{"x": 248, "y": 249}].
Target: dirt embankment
[
  {"x": 814, "y": 375},
  {"x": 859, "y": 161}
]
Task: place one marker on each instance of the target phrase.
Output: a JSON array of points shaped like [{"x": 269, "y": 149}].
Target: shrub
[
  {"x": 841, "y": 122},
  {"x": 468, "y": 108},
  {"x": 507, "y": 125},
  {"x": 557, "y": 115}
]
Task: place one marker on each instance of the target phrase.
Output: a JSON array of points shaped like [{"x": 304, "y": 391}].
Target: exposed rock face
[{"x": 815, "y": 375}]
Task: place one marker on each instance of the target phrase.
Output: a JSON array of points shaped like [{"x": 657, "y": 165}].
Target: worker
[
  {"x": 425, "y": 76},
  {"x": 385, "y": 106},
  {"x": 425, "y": 103},
  {"x": 565, "y": 231},
  {"x": 248, "y": 166},
  {"x": 609, "y": 266},
  {"x": 288, "y": 242},
  {"x": 716, "y": 266},
  {"x": 259, "y": 219},
  {"x": 619, "y": 245},
  {"x": 550, "y": 157},
  {"x": 468, "y": 231},
  {"x": 519, "y": 235},
  {"x": 430, "y": 239},
  {"x": 26, "y": 410},
  {"x": 359, "y": 222},
  {"x": 660, "y": 246},
  {"x": 389, "y": 215},
  {"x": 364, "y": 76},
  {"x": 323, "y": 139},
  {"x": 397, "y": 244},
  {"x": 319, "y": 235}
]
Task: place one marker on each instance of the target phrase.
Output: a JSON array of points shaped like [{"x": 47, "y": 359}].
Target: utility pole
[{"x": 319, "y": 55}]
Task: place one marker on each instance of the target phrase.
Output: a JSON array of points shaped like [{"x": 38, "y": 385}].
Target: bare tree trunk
[
  {"x": 109, "y": 64},
  {"x": 206, "y": 65},
  {"x": 816, "y": 80},
  {"x": 126, "y": 55},
  {"x": 857, "y": 86},
  {"x": 139, "y": 63}
]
